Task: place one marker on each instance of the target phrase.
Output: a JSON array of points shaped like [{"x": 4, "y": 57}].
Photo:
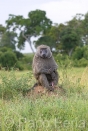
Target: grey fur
[{"x": 45, "y": 69}]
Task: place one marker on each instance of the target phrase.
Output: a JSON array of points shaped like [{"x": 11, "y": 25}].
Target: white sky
[{"x": 59, "y": 11}]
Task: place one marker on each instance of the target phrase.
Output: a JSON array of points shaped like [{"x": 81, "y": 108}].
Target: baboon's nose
[{"x": 44, "y": 55}]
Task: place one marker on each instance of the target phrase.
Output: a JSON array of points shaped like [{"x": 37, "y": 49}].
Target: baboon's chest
[{"x": 46, "y": 64}]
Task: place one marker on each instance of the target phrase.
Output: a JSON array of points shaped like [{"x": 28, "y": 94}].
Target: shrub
[
  {"x": 83, "y": 62},
  {"x": 86, "y": 54},
  {"x": 18, "y": 54},
  {"x": 8, "y": 59},
  {"x": 78, "y": 53},
  {"x": 63, "y": 60},
  {"x": 4, "y": 49},
  {"x": 19, "y": 65},
  {"x": 1, "y": 53},
  {"x": 80, "y": 63},
  {"x": 27, "y": 61},
  {"x": 28, "y": 58},
  {"x": 11, "y": 85}
]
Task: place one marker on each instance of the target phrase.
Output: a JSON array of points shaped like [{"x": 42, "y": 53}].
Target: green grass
[{"x": 66, "y": 112}]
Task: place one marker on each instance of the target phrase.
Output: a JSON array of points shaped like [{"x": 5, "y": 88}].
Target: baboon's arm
[
  {"x": 42, "y": 71},
  {"x": 55, "y": 79}
]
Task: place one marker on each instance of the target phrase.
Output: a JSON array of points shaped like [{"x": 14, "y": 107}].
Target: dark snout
[{"x": 44, "y": 55}]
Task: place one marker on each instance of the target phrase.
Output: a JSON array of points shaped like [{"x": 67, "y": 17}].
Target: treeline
[{"x": 68, "y": 41}]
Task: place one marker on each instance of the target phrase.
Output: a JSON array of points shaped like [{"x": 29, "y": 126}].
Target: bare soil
[{"x": 40, "y": 91}]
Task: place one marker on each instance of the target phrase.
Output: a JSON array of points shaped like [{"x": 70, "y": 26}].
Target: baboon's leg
[
  {"x": 44, "y": 82},
  {"x": 55, "y": 80}
]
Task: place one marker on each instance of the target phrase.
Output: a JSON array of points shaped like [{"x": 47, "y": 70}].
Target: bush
[
  {"x": 8, "y": 59},
  {"x": 78, "y": 53},
  {"x": 4, "y": 49},
  {"x": 19, "y": 65},
  {"x": 1, "y": 53},
  {"x": 63, "y": 60},
  {"x": 27, "y": 61},
  {"x": 28, "y": 58},
  {"x": 86, "y": 54},
  {"x": 80, "y": 63},
  {"x": 11, "y": 85},
  {"x": 18, "y": 54}
]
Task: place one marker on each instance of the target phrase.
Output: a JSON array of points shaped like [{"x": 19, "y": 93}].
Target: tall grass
[
  {"x": 67, "y": 112},
  {"x": 11, "y": 84}
]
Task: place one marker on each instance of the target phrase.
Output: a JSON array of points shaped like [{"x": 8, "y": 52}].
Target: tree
[
  {"x": 8, "y": 40},
  {"x": 36, "y": 24},
  {"x": 2, "y": 30},
  {"x": 70, "y": 39},
  {"x": 51, "y": 37},
  {"x": 55, "y": 34},
  {"x": 45, "y": 40},
  {"x": 85, "y": 29},
  {"x": 8, "y": 59}
]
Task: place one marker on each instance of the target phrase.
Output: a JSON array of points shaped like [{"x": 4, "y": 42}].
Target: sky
[{"x": 59, "y": 11}]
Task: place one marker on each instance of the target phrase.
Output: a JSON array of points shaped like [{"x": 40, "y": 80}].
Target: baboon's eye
[
  {"x": 46, "y": 50},
  {"x": 40, "y": 51}
]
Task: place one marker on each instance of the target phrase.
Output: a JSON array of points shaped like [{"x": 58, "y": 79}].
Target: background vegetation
[
  {"x": 68, "y": 41},
  {"x": 68, "y": 108}
]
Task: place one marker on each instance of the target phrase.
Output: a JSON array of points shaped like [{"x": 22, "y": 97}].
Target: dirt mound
[{"x": 39, "y": 91}]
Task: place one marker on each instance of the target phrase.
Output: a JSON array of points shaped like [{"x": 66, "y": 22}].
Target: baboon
[{"x": 45, "y": 67}]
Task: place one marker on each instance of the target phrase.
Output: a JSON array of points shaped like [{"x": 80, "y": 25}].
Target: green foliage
[
  {"x": 45, "y": 40},
  {"x": 15, "y": 59},
  {"x": 4, "y": 49},
  {"x": 28, "y": 58},
  {"x": 36, "y": 23},
  {"x": 78, "y": 53},
  {"x": 8, "y": 59},
  {"x": 85, "y": 54},
  {"x": 8, "y": 40},
  {"x": 11, "y": 85},
  {"x": 63, "y": 60},
  {"x": 80, "y": 63},
  {"x": 2, "y": 29},
  {"x": 27, "y": 61},
  {"x": 80, "y": 56},
  {"x": 19, "y": 65},
  {"x": 39, "y": 21},
  {"x": 19, "y": 55},
  {"x": 1, "y": 53},
  {"x": 70, "y": 39}
]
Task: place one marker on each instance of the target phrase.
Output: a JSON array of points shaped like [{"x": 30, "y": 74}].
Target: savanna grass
[
  {"x": 44, "y": 113},
  {"x": 11, "y": 84}
]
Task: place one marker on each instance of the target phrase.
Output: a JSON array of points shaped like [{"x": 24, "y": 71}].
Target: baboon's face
[{"x": 43, "y": 53}]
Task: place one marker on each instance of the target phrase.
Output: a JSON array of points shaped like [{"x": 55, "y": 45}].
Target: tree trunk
[
  {"x": 28, "y": 39},
  {"x": 70, "y": 52}
]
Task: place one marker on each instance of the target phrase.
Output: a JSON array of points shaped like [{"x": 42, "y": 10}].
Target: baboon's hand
[
  {"x": 44, "y": 71},
  {"x": 50, "y": 71}
]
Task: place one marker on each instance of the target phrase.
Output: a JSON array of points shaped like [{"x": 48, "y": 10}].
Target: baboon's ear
[
  {"x": 37, "y": 54},
  {"x": 49, "y": 53},
  {"x": 49, "y": 47}
]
